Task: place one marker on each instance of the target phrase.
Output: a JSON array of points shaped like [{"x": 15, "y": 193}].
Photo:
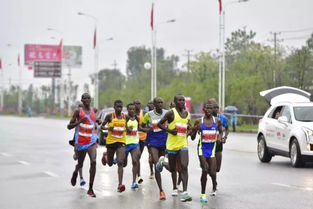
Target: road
[{"x": 36, "y": 165}]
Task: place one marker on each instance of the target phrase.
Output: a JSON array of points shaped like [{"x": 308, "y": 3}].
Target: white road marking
[
  {"x": 23, "y": 162},
  {"x": 294, "y": 187},
  {"x": 5, "y": 154},
  {"x": 49, "y": 173}
]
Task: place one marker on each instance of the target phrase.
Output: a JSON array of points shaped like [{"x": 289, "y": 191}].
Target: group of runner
[{"x": 164, "y": 132}]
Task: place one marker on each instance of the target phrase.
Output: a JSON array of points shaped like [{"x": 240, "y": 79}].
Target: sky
[{"x": 128, "y": 21}]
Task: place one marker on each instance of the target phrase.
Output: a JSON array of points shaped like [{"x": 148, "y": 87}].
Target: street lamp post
[
  {"x": 154, "y": 58},
  {"x": 222, "y": 50},
  {"x": 53, "y": 79},
  {"x": 19, "y": 100},
  {"x": 96, "y": 58}
]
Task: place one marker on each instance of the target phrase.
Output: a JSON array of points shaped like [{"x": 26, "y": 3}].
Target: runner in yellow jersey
[
  {"x": 115, "y": 142},
  {"x": 142, "y": 135},
  {"x": 132, "y": 142},
  {"x": 178, "y": 120}
]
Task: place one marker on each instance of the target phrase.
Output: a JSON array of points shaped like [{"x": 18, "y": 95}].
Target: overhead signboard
[
  {"x": 47, "y": 69},
  {"x": 72, "y": 56},
  {"x": 37, "y": 52}
]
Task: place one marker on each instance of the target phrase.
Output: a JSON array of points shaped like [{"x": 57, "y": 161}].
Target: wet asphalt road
[{"x": 36, "y": 165}]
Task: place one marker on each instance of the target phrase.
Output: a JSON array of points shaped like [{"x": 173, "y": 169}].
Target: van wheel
[
  {"x": 295, "y": 154},
  {"x": 263, "y": 153}
]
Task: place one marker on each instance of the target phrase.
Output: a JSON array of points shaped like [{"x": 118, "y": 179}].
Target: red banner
[{"x": 35, "y": 52}]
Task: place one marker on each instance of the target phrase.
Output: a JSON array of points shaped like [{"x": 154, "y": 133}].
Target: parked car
[{"x": 287, "y": 127}]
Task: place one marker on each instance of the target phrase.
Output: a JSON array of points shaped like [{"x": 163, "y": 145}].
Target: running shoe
[
  {"x": 185, "y": 197},
  {"x": 82, "y": 182},
  {"x": 162, "y": 196},
  {"x": 114, "y": 161},
  {"x": 134, "y": 186},
  {"x": 213, "y": 193},
  {"x": 75, "y": 156},
  {"x": 159, "y": 165},
  {"x": 203, "y": 198},
  {"x": 91, "y": 193},
  {"x": 74, "y": 178},
  {"x": 139, "y": 180},
  {"x": 175, "y": 193},
  {"x": 151, "y": 176},
  {"x": 121, "y": 188},
  {"x": 104, "y": 159}
]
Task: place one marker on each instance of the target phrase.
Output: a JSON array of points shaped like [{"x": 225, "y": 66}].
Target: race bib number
[
  {"x": 209, "y": 136},
  {"x": 134, "y": 132},
  {"x": 181, "y": 129},
  {"x": 154, "y": 125},
  {"x": 118, "y": 132}
]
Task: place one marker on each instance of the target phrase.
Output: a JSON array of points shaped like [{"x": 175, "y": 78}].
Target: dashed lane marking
[
  {"x": 23, "y": 162},
  {"x": 294, "y": 186},
  {"x": 49, "y": 173}
]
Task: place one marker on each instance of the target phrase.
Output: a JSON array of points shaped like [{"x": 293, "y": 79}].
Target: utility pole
[
  {"x": 114, "y": 65},
  {"x": 275, "y": 40},
  {"x": 188, "y": 51}
]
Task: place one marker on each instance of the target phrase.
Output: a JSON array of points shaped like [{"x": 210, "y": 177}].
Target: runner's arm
[
  {"x": 107, "y": 119},
  {"x": 143, "y": 126},
  {"x": 169, "y": 117},
  {"x": 194, "y": 130},
  {"x": 220, "y": 130},
  {"x": 74, "y": 120}
]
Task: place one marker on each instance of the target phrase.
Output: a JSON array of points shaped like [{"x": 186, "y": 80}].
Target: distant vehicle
[
  {"x": 102, "y": 134},
  {"x": 287, "y": 127}
]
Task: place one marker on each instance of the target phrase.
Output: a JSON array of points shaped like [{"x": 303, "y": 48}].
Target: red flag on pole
[
  {"x": 152, "y": 16},
  {"x": 220, "y": 6},
  {"x": 18, "y": 60},
  {"x": 95, "y": 39}
]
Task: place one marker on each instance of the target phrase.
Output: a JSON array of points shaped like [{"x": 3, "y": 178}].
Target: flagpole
[
  {"x": 20, "y": 86},
  {"x": 2, "y": 90},
  {"x": 96, "y": 58},
  {"x": 152, "y": 50}
]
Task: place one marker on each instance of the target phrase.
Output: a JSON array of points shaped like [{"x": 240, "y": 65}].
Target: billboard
[
  {"x": 72, "y": 55},
  {"x": 47, "y": 69},
  {"x": 36, "y": 52}
]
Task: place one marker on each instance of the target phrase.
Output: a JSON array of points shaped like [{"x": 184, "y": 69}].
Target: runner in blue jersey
[
  {"x": 219, "y": 145},
  {"x": 156, "y": 137},
  {"x": 210, "y": 130}
]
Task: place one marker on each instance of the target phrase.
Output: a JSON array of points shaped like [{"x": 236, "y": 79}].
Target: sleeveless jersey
[
  {"x": 133, "y": 136},
  {"x": 158, "y": 137},
  {"x": 118, "y": 134},
  {"x": 85, "y": 133},
  {"x": 207, "y": 141},
  {"x": 142, "y": 135},
  {"x": 179, "y": 141}
]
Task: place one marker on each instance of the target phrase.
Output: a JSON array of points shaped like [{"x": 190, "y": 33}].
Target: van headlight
[{"x": 308, "y": 134}]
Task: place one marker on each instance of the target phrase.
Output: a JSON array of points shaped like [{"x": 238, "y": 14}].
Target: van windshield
[{"x": 304, "y": 114}]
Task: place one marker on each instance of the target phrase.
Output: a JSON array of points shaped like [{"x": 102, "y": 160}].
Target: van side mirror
[{"x": 283, "y": 119}]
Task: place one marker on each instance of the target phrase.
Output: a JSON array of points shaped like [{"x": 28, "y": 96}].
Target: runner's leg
[
  {"x": 184, "y": 160},
  {"x": 120, "y": 152},
  {"x": 135, "y": 161},
  {"x": 155, "y": 157}
]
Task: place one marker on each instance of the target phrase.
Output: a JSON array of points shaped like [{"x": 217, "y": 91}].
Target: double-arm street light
[
  {"x": 61, "y": 83},
  {"x": 221, "y": 91},
  {"x": 96, "y": 57}
]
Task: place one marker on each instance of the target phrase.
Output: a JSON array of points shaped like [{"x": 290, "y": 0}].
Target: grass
[{"x": 246, "y": 127}]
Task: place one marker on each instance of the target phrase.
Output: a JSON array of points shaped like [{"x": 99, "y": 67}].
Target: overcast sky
[{"x": 196, "y": 27}]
